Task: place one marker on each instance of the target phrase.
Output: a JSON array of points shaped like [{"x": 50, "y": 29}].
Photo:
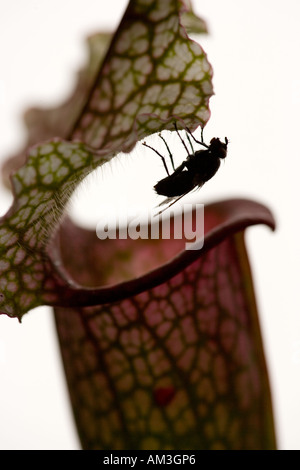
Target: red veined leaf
[
  {"x": 165, "y": 76},
  {"x": 151, "y": 72},
  {"x": 178, "y": 362}
]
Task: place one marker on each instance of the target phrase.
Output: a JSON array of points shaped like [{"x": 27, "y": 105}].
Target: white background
[{"x": 254, "y": 49}]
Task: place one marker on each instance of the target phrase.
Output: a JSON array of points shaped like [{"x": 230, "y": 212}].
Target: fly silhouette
[{"x": 198, "y": 168}]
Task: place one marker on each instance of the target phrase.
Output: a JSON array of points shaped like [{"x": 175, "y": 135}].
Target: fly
[{"x": 199, "y": 167}]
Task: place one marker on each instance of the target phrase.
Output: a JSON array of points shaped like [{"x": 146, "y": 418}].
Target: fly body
[{"x": 197, "y": 169}]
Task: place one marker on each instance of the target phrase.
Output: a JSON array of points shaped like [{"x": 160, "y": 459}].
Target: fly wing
[{"x": 171, "y": 201}]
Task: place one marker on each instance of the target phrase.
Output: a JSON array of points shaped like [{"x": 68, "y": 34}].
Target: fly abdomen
[{"x": 175, "y": 185}]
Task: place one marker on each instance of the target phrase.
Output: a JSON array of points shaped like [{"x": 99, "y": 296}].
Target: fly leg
[
  {"x": 198, "y": 141},
  {"x": 169, "y": 151},
  {"x": 190, "y": 142},
  {"x": 183, "y": 143},
  {"x": 160, "y": 155}
]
